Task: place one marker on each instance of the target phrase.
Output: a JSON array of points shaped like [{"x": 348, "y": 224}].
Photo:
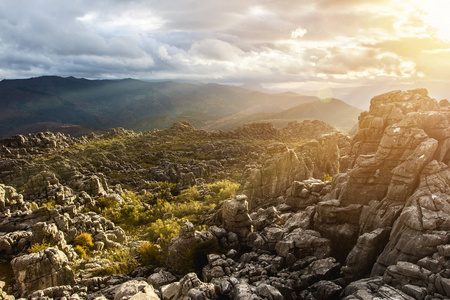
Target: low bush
[
  {"x": 151, "y": 254},
  {"x": 121, "y": 263},
  {"x": 38, "y": 247},
  {"x": 81, "y": 251},
  {"x": 84, "y": 240},
  {"x": 327, "y": 177}
]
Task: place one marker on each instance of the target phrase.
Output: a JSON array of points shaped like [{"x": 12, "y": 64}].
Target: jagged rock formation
[
  {"x": 424, "y": 222},
  {"x": 43, "y": 142},
  {"x": 281, "y": 166},
  {"x": 40, "y": 270},
  {"x": 236, "y": 218},
  {"x": 189, "y": 247},
  {"x": 189, "y": 287}
]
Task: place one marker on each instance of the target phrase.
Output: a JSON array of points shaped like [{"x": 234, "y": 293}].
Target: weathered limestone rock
[
  {"x": 372, "y": 288},
  {"x": 189, "y": 287},
  {"x": 235, "y": 216},
  {"x": 11, "y": 200},
  {"x": 3, "y": 294},
  {"x": 135, "y": 290},
  {"x": 424, "y": 222},
  {"x": 364, "y": 254},
  {"x": 188, "y": 251},
  {"x": 308, "y": 192},
  {"x": 397, "y": 137},
  {"x": 157, "y": 280},
  {"x": 40, "y": 270},
  {"x": 59, "y": 292},
  {"x": 303, "y": 243},
  {"x": 281, "y": 166},
  {"x": 14, "y": 242},
  {"x": 339, "y": 224},
  {"x": 324, "y": 290},
  {"x": 322, "y": 154}
]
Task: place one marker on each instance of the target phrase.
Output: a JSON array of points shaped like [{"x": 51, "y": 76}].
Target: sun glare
[{"x": 436, "y": 15}]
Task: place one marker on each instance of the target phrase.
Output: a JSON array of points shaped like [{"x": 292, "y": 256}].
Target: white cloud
[
  {"x": 215, "y": 49},
  {"x": 298, "y": 33},
  {"x": 326, "y": 41}
]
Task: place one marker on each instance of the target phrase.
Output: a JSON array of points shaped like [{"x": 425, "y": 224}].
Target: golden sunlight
[{"x": 436, "y": 16}]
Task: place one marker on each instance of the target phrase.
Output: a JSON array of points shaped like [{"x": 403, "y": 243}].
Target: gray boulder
[
  {"x": 41, "y": 270},
  {"x": 135, "y": 290}
]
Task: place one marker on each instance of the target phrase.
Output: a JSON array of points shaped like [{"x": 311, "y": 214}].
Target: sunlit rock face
[
  {"x": 281, "y": 166},
  {"x": 401, "y": 133},
  {"x": 40, "y": 270},
  {"x": 398, "y": 171},
  {"x": 424, "y": 223}
]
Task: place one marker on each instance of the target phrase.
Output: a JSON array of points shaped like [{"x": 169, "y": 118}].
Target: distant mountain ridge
[
  {"x": 129, "y": 103},
  {"x": 334, "y": 112}
]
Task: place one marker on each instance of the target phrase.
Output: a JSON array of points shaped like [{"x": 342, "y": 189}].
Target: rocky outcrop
[
  {"x": 401, "y": 133},
  {"x": 279, "y": 168},
  {"x": 187, "y": 252},
  {"x": 40, "y": 270},
  {"x": 363, "y": 256},
  {"x": 424, "y": 222},
  {"x": 10, "y": 200},
  {"x": 189, "y": 287},
  {"x": 235, "y": 216},
  {"x": 400, "y": 148},
  {"x": 321, "y": 155},
  {"x": 135, "y": 290},
  {"x": 33, "y": 144},
  {"x": 427, "y": 279},
  {"x": 305, "y": 193}
]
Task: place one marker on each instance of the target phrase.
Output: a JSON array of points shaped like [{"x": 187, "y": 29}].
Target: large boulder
[
  {"x": 135, "y": 290},
  {"x": 40, "y": 270},
  {"x": 235, "y": 216},
  {"x": 188, "y": 251},
  {"x": 189, "y": 287}
]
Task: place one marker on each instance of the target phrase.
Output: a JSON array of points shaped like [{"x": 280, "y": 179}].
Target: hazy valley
[{"x": 29, "y": 105}]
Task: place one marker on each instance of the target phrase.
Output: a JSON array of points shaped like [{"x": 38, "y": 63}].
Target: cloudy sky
[{"x": 325, "y": 46}]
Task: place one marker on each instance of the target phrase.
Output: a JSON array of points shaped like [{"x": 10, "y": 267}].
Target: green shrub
[
  {"x": 189, "y": 194},
  {"x": 223, "y": 189},
  {"x": 327, "y": 177},
  {"x": 164, "y": 231},
  {"x": 38, "y": 247},
  {"x": 49, "y": 204},
  {"x": 104, "y": 203},
  {"x": 81, "y": 251},
  {"x": 84, "y": 240},
  {"x": 152, "y": 254},
  {"x": 121, "y": 263}
]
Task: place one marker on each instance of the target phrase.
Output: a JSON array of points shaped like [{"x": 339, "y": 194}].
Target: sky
[{"x": 351, "y": 49}]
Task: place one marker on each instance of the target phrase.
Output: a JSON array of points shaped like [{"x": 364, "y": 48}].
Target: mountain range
[{"x": 57, "y": 103}]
